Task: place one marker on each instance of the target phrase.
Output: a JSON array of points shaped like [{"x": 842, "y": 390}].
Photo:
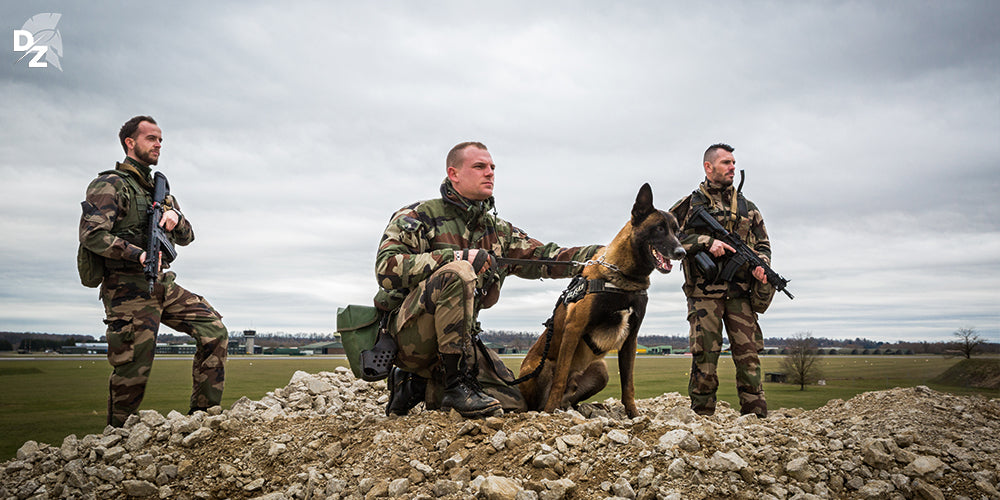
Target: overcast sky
[{"x": 869, "y": 131}]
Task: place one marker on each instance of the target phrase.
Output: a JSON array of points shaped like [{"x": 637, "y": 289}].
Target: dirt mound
[
  {"x": 324, "y": 436},
  {"x": 981, "y": 373}
]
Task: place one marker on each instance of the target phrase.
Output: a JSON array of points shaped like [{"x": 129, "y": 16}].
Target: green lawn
[
  {"x": 46, "y": 400},
  {"x": 846, "y": 377}
]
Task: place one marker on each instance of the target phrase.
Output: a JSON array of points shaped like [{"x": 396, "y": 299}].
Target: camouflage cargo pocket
[
  {"x": 760, "y": 296},
  {"x": 121, "y": 340}
]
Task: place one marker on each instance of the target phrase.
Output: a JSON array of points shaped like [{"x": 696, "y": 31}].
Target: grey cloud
[{"x": 293, "y": 132}]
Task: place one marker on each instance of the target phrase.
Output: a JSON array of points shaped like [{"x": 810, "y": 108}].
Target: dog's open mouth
[{"x": 662, "y": 263}]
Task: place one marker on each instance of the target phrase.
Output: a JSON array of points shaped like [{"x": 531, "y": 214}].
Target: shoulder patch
[{"x": 408, "y": 224}]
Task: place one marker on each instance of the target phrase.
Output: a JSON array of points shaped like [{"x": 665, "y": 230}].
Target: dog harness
[{"x": 579, "y": 287}]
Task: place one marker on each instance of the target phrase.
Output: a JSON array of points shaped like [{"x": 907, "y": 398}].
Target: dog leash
[
  {"x": 549, "y": 332},
  {"x": 507, "y": 261}
]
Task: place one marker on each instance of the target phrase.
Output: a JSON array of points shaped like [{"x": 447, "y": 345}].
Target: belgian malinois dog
[{"x": 601, "y": 311}]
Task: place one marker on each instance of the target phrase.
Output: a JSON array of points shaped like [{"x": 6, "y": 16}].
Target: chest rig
[{"x": 133, "y": 226}]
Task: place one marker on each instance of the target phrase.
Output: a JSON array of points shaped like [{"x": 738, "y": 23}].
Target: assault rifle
[
  {"x": 158, "y": 246},
  {"x": 744, "y": 254}
]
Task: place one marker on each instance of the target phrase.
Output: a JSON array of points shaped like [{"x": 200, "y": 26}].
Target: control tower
[{"x": 248, "y": 336}]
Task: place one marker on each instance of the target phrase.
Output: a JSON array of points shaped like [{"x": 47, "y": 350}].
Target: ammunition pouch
[{"x": 706, "y": 266}]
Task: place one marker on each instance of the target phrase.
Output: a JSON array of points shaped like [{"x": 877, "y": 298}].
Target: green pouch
[
  {"x": 760, "y": 296},
  {"x": 358, "y": 329},
  {"x": 90, "y": 266}
]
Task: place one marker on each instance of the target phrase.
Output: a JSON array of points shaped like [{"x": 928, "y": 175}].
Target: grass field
[{"x": 48, "y": 399}]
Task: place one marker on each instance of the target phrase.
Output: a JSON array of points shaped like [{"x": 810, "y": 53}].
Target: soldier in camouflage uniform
[
  {"x": 436, "y": 271},
  {"x": 113, "y": 226},
  {"x": 712, "y": 304}
]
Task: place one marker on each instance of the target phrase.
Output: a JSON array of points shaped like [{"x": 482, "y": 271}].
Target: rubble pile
[{"x": 325, "y": 436}]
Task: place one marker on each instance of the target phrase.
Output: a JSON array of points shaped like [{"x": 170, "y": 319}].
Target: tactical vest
[
  {"x": 703, "y": 277},
  {"x": 132, "y": 228},
  {"x": 729, "y": 219}
]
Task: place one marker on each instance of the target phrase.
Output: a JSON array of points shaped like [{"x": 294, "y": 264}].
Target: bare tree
[
  {"x": 968, "y": 341},
  {"x": 800, "y": 363}
]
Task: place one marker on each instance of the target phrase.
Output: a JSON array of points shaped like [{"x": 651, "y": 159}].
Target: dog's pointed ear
[{"x": 643, "y": 204}]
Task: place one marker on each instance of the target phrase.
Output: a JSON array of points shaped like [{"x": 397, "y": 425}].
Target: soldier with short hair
[
  {"x": 436, "y": 270},
  {"x": 712, "y": 303},
  {"x": 113, "y": 227}
]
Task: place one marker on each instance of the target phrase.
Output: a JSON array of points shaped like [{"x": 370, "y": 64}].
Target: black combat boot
[
  {"x": 461, "y": 391},
  {"x": 406, "y": 390}
]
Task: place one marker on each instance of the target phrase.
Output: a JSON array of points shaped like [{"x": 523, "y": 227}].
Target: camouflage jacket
[
  {"x": 749, "y": 226},
  {"x": 423, "y": 236},
  {"x": 114, "y": 219}
]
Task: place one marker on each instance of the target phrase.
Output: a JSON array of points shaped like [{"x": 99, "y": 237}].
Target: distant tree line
[
  {"x": 966, "y": 338},
  {"x": 524, "y": 340},
  {"x": 39, "y": 342}
]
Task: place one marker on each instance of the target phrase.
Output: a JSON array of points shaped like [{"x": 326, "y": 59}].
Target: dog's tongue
[{"x": 662, "y": 263}]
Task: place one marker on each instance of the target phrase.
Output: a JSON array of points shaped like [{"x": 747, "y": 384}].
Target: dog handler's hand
[
  {"x": 719, "y": 248},
  {"x": 481, "y": 260}
]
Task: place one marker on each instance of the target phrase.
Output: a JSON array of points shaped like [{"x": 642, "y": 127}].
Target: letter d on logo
[{"x": 23, "y": 35}]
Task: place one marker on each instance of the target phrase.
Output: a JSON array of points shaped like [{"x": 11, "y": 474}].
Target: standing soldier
[
  {"x": 712, "y": 303},
  {"x": 436, "y": 272},
  {"x": 113, "y": 233}
]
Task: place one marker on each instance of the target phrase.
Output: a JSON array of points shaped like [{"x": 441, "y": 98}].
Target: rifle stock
[{"x": 158, "y": 245}]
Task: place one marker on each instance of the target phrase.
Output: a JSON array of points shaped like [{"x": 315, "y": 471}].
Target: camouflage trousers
[
  {"x": 134, "y": 316},
  {"x": 439, "y": 317},
  {"x": 706, "y": 317}
]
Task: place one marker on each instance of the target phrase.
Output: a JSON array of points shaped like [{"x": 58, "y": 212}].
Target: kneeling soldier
[{"x": 436, "y": 271}]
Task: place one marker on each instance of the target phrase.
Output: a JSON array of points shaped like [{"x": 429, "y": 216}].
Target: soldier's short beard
[{"x": 146, "y": 158}]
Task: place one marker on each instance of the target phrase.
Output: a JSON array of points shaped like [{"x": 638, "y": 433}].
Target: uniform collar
[
  {"x": 715, "y": 187},
  {"x": 140, "y": 171},
  {"x": 474, "y": 209}
]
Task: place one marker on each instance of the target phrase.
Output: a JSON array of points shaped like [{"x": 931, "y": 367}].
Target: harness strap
[
  {"x": 593, "y": 347},
  {"x": 601, "y": 285}
]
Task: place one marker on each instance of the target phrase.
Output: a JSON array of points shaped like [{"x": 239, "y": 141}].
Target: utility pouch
[
  {"x": 90, "y": 266},
  {"x": 364, "y": 329},
  {"x": 761, "y": 295}
]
